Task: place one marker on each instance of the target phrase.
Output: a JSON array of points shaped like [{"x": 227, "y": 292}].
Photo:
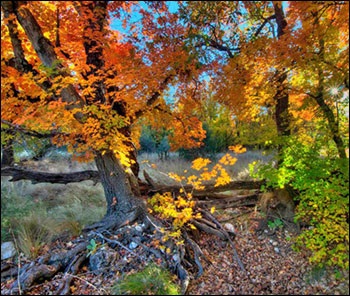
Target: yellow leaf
[
  {"x": 200, "y": 163},
  {"x": 237, "y": 149}
]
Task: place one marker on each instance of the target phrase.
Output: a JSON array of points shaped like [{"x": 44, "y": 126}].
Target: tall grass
[{"x": 39, "y": 212}]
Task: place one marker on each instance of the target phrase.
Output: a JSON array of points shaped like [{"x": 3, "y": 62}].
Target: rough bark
[
  {"x": 7, "y": 158},
  {"x": 282, "y": 116},
  {"x": 122, "y": 205}
]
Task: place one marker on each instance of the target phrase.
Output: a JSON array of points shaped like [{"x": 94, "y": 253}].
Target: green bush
[
  {"x": 322, "y": 183},
  {"x": 152, "y": 280}
]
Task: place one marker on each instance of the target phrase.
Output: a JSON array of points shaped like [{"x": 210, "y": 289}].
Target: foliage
[
  {"x": 92, "y": 84},
  {"x": 180, "y": 209},
  {"x": 92, "y": 247},
  {"x": 152, "y": 280},
  {"x": 276, "y": 224},
  {"x": 323, "y": 201}
]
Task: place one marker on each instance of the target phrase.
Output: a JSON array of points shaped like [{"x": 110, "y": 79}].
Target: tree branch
[
  {"x": 17, "y": 128},
  {"x": 266, "y": 20},
  {"x": 42, "y": 177}
]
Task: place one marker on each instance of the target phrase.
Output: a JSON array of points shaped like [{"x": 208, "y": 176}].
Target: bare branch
[{"x": 42, "y": 177}]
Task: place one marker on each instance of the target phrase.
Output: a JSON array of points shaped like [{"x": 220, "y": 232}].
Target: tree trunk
[
  {"x": 122, "y": 205},
  {"x": 333, "y": 122},
  {"x": 282, "y": 116},
  {"x": 7, "y": 158}
]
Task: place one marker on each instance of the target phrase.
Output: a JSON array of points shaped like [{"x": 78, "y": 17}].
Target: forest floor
[{"x": 272, "y": 266}]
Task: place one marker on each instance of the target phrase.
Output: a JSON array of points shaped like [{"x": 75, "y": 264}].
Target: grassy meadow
[{"x": 35, "y": 214}]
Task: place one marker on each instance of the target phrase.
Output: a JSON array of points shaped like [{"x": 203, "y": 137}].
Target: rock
[
  {"x": 101, "y": 259},
  {"x": 133, "y": 245},
  {"x": 139, "y": 228},
  {"x": 176, "y": 258},
  {"x": 229, "y": 227},
  {"x": 7, "y": 250}
]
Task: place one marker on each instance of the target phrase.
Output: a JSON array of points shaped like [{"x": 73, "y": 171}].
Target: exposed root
[
  {"x": 140, "y": 242},
  {"x": 222, "y": 232},
  {"x": 72, "y": 269}
]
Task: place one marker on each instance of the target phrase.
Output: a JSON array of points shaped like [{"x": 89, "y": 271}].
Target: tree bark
[
  {"x": 122, "y": 205},
  {"x": 7, "y": 158},
  {"x": 18, "y": 173},
  {"x": 282, "y": 116},
  {"x": 333, "y": 123}
]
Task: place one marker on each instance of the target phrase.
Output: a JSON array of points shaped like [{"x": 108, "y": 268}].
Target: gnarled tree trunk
[{"x": 122, "y": 204}]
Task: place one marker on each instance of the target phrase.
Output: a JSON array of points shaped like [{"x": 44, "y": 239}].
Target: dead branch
[
  {"x": 209, "y": 189},
  {"x": 43, "y": 177}
]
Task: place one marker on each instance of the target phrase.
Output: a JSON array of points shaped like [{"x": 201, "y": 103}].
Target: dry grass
[{"x": 26, "y": 207}]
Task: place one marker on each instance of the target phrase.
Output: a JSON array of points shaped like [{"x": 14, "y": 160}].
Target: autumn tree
[
  {"x": 236, "y": 38},
  {"x": 67, "y": 75},
  {"x": 262, "y": 53},
  {"x": 60, "y": 61},
  {"x": 290, "y": 59}
]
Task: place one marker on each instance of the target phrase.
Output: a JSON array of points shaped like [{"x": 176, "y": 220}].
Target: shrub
[
  {"x": 322, "y": 183},
  {"x": 152, "y": 280}
]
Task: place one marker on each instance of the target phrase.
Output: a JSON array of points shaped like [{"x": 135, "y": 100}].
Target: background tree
[
  {"x": 289, "y": 59},
  {"x": 240, "y": 35}
]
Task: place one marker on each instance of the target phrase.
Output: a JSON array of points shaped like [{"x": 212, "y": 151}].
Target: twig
[
  {"x": 18, "y": 263},
  {"x": 116, "y": 242}
]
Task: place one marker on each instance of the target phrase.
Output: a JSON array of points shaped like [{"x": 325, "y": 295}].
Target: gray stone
[
  {"x": 101, "y": 259},
  {"x": 7, "y": 250},
  {"x": 133, "y": 245}
]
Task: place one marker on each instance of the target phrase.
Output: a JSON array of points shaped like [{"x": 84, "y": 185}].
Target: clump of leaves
[
  {"x": 180, "y": 209},
  {"x": 323, "y": 186},
  {"x": 92, "y": 247},
  {"x": 275, "y": 224},
  {"x": 152, "y": 280}
]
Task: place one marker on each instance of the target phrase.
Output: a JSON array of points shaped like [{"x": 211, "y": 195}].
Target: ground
[{"x": 272, "y": 266}]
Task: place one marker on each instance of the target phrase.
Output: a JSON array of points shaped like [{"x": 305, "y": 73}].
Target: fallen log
[
  {"x": 151, "y": 187},
  {"x": 231, "y": 202},
  {"x": 43, "y": 177},
  {"x": 208, "y": 191}
]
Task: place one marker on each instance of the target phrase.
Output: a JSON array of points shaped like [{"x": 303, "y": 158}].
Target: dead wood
[
  {"x": 231, "y": 202},
  {"x": 209, "y": 190},
  {"x": 209, "y": 216},
  {"x": 45, "y": 268},
  {"x": 43, "y": 177},
  {"x": 181, "y": 256},
  {"x": 150, "y": 187}
]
